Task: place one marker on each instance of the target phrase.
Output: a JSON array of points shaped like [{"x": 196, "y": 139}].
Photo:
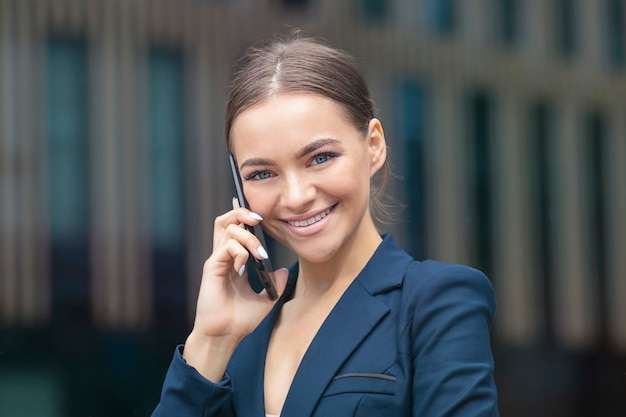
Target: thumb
[{"x": 280, "y": 280}]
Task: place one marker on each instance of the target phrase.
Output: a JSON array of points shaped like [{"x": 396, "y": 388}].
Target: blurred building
[{"x": 506, "y": 122}]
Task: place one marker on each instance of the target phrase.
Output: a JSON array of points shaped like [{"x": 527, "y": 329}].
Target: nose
[{"x": 298, "y": 193}]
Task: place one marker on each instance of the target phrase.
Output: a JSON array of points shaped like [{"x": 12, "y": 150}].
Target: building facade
[{"x": 506, "y": 122}]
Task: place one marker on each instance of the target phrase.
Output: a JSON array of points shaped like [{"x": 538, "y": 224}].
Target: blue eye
[
  {"x": 323, "y": 157},
  {"x": 258, "y": 175},
  {"x": 320, "y": 159}
]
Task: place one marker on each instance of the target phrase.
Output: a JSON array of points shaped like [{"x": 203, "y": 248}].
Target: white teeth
[{"x": 314, "y": 219}]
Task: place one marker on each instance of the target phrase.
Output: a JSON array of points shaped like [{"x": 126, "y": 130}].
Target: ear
[{"x": 377, "y": 146}]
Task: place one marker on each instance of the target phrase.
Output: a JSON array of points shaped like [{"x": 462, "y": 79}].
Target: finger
[
  {"x": 239, "y": 255},
  {"x": 247, "y": 240},
  {"x": 237, "y": 205},
  {"x": 231, "y": 254},
  {"x": 239, "y": 217}
]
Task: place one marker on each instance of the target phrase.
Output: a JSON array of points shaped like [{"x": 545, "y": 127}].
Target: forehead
[{"x": 286, "y": 120}]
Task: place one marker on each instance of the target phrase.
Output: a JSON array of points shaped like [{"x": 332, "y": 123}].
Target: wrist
[{"x": 209, "y": 355}]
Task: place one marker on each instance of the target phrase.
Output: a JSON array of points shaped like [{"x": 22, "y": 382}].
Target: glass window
[
  {"x": 294, "y": 3},
  {"x": 596, "y": 131},
  {"x": 616, "y": 18},
  {"x": 508, "y": 21},
  {"x": 541, "y": 133},
  {"x": 480, "y": 114},
  {"x": 566, "y": 28},
  {"x": 412, "y": 123},
  {"x": 68, "y": 175},
  {"x": 442, "y": 16},
  {"x": 166, "y": 143},
  {"x": 373, "y": 10}
]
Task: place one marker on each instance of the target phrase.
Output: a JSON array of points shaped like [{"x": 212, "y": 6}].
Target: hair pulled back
[{"x": 299, "y": 65}]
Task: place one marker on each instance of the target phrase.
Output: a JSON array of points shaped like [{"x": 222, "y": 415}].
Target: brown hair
[{"x": 304, "y": 65}]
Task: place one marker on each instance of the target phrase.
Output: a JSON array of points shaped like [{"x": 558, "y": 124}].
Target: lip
[{"x": 310, "y": 224}]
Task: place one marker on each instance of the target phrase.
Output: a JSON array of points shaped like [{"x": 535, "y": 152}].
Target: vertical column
[
  {"x": 104, "y": 102},
  {"x": 575, "y": 315},
  {"x": 476, "y": 21},
  {"x": 450, "y": 239},
  {"x": 32, "y": 293},
  {"x": 616, "y": 259},
  {"x": 41, "y": 254},
  {"x": 135, "y": 287},
  {"x": 204, "y": 150},
  {"x": 514, "y": 266},
  {"x": 168, "y": 146},
  {"x": 221, "y": 59},
  {"x": 142, "y": 196},
  {"x": 8, "y": 212},
  {"x": 67, "y": 168},
  {"x": 165, "y": 18},
  {"x": 57, "y": 11},
  {"x": 407, "y": 13},
  {"x": 131, "y": 299},
  {"x": 74, "y": 18}
]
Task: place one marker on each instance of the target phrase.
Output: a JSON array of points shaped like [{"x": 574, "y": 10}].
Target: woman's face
[{"x": 306, "y": 170}]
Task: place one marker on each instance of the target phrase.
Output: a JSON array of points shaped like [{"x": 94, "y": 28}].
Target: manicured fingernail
[
  {"x": 242, "y": 270},
  {"x": 235, "y": 203},
  {"x": 262, "y": 252},
  {"x": 255, "y": 216}
]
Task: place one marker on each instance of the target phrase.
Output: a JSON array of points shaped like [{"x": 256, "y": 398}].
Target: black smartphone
[{"x": 263, "y": 267}]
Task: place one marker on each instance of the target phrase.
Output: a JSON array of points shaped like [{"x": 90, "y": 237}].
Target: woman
[{"x": 360, "y": 328}]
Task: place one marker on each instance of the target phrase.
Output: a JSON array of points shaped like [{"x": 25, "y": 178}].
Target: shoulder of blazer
[
  {"x": 391, "y": 267},
  {"x": 386, "y": 268}
]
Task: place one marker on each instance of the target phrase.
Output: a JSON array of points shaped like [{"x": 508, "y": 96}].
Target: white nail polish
[
  {"x": 235, "y": 203},
  {"x": 262, "y": 252},
  {"x": 255, "y": 216},
  {"x": 242, "y": 270}
]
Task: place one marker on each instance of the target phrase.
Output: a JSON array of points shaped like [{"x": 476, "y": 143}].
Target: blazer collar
[{"x": 384, "y": 271}]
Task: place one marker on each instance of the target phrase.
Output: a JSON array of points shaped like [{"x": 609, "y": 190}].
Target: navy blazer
[{"x": 407, "y": 338}]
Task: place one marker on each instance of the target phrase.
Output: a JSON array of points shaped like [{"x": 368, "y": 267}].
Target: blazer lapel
[
  {"x": 356, "y": 314},
  {"x": 352, "y": 319}
]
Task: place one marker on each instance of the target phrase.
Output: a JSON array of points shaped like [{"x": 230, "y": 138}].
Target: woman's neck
[{"x": 337, "y": 273}]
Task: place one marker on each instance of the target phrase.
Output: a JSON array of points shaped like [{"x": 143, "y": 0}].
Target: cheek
[
  {"x": 353, "y": 180},
  {"x": 261, "y": 201}
]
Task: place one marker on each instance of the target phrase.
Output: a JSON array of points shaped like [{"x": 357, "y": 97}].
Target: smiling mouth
[{"x": 312, "y": 220}]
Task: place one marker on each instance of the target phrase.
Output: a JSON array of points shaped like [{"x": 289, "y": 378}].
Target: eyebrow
[
  {"x": 311, "y": 147},
  {"x": 256, "y": 162},
  {"x": 315, "y": 145}
]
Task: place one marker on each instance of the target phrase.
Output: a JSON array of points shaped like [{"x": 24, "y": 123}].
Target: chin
[
  {"x": 315, "y": 253},
  {"x": 314, "y": 259}
]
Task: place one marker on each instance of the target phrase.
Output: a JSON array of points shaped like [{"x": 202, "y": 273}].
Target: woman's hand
[{"x": 228, "y": 308}]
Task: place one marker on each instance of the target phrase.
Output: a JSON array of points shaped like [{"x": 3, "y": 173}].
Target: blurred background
[{"x": 506, "y": 121}]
